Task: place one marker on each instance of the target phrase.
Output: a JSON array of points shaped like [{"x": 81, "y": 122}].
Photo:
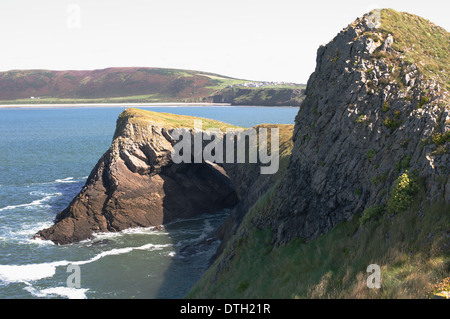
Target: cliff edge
[
  {"x": 136, "y": 184},
  {"x": 367, "y": 181},
  {"x": 374, "y": 116}
]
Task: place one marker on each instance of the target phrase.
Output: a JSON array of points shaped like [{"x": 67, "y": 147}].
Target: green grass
[
  {"x": 385, "y": 107},
  {"x": 371, "y": 154},
  {"x": 402, "y": 192},
  {"x": 407, "y": 238},
  {"x": 371, "y": 213},
  {"x": 146, "y": 98},
  {"x": 392, "y": 124},
  {"x": 168, "y": 120},
  {"x": 421, "y": 42},
  {"x": 220, "y": 84},
  {"x": 334, "y": 265},
  {"x": 441, "y": 138},
  {"x": 403, "y": 164}
]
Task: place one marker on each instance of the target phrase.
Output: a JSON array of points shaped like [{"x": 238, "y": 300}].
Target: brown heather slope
[
  {"x": 108, "y": 83},
  {"x": 134, "y": 85}
]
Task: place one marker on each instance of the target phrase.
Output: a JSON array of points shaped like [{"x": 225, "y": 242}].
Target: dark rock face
[
  {"x": 135, "y": 184},
  {"x": 250, "y": 185},
  {"x": 355, "y": 125},
  {"x": 261, "y": 96}
]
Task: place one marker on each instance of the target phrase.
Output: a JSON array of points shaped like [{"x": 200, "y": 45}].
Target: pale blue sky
[{"x": 258, "y": 40}]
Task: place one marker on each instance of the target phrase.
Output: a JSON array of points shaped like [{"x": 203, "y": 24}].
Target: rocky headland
[
  {"x": 137, "y": 184},
  {"x": 363, "y": 178},
  {"x": 367, "y": 180}
]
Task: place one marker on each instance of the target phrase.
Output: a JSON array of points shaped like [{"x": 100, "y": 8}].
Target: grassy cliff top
[
  {"x": 168, "y": 120},
  {"x": 419, "y": 41}
]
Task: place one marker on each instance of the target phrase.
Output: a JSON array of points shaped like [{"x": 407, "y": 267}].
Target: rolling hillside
[{"x": 117, "y": 85}]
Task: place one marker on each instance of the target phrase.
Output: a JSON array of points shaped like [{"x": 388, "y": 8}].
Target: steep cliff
[
  {"x": 367, "y": 182},
  {"x": 260, "y": 96},
  {"x": 136, "y": 184},
  {"x": 370, "y": 116},
  {"x": 251, "y": 185},
  {"x": 363, "y": 180}
]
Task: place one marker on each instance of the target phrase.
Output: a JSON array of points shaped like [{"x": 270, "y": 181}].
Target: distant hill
[{"x": 132, "y": 84}]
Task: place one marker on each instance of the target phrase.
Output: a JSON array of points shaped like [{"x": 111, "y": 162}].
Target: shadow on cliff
[
  {"x": 68, "y": 189},
  {"x": 212, "y": 194},
  {"x": 193, "y": 246}
]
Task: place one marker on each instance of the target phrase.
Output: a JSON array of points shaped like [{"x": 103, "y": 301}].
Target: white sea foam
[
  {"x": 66, "y": 180},
  {"x": 28, "y": 230},
  {"x": 70, "y": 293},
  {"x": 33, "y": 272},
  {"x": 30, "y": 272},
  {"x": 38, "y": 241},
  {"x": 183, "y": 220},
  {"x": 207, "y": 229},
  {"x": 36, "y": 203},
  {"x": 145, "y": 230},
  {"x": 69, "y": 179},
  {"x": 136, "y": 230},
  {"x": 120, "y": 251},
  {"x": 24, "y": 234}
]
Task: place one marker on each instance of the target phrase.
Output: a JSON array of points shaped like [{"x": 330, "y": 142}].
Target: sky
[{"x": 260, "y": 40}]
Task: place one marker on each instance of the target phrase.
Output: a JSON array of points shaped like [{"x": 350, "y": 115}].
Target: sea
[{"x": 46, "y": 155}]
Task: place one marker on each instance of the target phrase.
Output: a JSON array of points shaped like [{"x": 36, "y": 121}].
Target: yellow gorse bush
[{"x": 402, "y": 192}]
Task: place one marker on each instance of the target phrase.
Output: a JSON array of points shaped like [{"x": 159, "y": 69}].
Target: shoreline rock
[{"x": 136, "y": 184}]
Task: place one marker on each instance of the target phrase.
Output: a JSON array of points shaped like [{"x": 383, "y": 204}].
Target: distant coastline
[
  {"x": 143, "y": 86},
  {"x": 80, "y": 105}
]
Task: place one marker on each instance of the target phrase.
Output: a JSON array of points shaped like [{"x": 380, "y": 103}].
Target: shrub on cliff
[
  {"x": 402, "y": 193},
  {"x": 371, "y": 212}
]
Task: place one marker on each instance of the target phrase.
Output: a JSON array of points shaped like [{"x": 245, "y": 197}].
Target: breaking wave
[
  {"x": 34, "y": 272},
  {"x": 36, "y": 203}
]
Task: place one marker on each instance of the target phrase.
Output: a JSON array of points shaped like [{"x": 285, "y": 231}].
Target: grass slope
[
  {"x": 168, "y": 120},
  {"x": 411, "y": 248},
  {"x": 113, "y": 85},
  {"x": 409, "y": 238},
  {"x": 421, "y": 42},
  {"x": 110, "y": 85}
]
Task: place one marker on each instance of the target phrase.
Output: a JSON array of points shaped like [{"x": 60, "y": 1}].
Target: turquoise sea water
[{"x": 45, "y": 158}]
